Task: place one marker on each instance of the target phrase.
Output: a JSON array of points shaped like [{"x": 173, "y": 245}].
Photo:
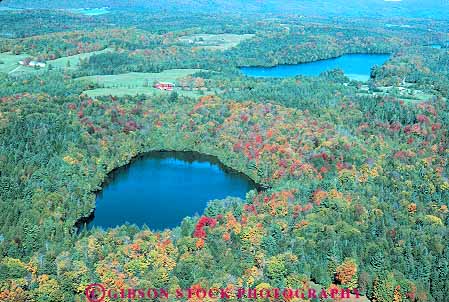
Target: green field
[
  {"x": 407, "y": 94},
  {"x": 11, "y": 62},
  {"x": 74, "y": 60},
  {"x": 118, "y": 92},
  {"x": 90, "y": 11},
  {"x": 215, "y": 42},
  {"x": 138, "y": 83}
]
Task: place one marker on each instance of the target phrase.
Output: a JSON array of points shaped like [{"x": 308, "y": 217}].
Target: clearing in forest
[
  {"x": 90, "y": 11},
  {"x": 11, "y": 65},
  {"x": 215, "y": 42},
  {"x": 135, "y": 83},
  {"x": 9, "y": 62},
  {"x": 74, "y": 61},
  {"x": 407, "y": 94}
]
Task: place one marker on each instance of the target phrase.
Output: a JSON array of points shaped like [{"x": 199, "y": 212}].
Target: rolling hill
[{"x": 374, "y": 8}]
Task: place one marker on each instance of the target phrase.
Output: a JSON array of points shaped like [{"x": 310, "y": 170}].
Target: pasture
[
  {"x": 215, "y": 42},
  {"x": 72, "y": 62},
  {"x": 135, "y": 83},
  {"x": 11, "y": 62},
  {"x": 91, "y": 11}
]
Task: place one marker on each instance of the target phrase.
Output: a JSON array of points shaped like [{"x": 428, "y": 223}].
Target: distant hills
[{"x": 373, "y": 8}]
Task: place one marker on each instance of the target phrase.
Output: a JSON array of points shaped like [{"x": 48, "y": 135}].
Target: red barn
[{"x": 164, "y": 86}]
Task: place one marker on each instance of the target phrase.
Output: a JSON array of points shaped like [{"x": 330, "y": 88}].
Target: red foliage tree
[{"x": 202, "y": 222}]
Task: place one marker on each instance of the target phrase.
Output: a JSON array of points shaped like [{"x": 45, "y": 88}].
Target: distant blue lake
[
  {"x": 159, "y": 189},
  {"x": 355, "y": 66}
]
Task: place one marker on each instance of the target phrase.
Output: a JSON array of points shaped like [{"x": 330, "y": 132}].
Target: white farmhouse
[
  {"x": 32, "y": 64},
  {"x": 36, "y": 64}
]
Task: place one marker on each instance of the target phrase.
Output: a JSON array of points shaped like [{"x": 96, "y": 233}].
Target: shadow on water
[
  {"x": 355, "y": 66},
  {"x": 160, "y": 188}
]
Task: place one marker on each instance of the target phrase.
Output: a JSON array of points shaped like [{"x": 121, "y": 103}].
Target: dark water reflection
[
  {"x": 355, "y": 66},
  {"x": 159, "y": 189}
]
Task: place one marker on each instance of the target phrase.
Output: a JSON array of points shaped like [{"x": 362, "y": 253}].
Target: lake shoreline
[
  {"x": 319, "y": 60},
  {"x": 187, "y": 156},
  {"x": 356, "y": 66}
]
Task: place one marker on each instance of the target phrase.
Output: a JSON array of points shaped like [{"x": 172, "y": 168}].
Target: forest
[
  {"x": 355, "y": 174},
  {"x": 367, "y": 8}
]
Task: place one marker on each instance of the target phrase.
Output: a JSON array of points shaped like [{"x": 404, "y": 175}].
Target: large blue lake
[
  {"x": 355, "y": 66},
  {"x": 159, "y": 189}
]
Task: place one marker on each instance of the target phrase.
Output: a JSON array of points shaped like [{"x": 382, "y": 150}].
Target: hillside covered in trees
[
  {"x": 355, "y": 174},
  {"x": 367, "y": 8}
]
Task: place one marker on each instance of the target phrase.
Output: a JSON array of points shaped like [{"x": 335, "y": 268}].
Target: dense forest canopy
[
  {"x": 436, "y": 9},
  {"x": 355, "y": 173}
]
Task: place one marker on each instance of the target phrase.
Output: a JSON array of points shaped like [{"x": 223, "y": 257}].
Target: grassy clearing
[
  {"x": 138, "y": 83},
  {"x": 215, "y": 42},
  {"x": 11, "y": 62},
  {"x": 118, "y": 92},
  {"x": 90, "y": 11},
  {"x": 137, "y": 79},
  {"x": 406, "y": 94},
  {"x": 75, "y": 60}
]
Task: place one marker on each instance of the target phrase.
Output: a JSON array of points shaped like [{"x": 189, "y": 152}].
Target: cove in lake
[
  {"x": 159, "y": 189},
  {"x": 355, "y": 66}
]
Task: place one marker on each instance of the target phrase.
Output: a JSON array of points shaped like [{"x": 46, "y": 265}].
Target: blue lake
[
  {"x": 159, "y": 189},
  {"x": 355, "y": 66}
]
